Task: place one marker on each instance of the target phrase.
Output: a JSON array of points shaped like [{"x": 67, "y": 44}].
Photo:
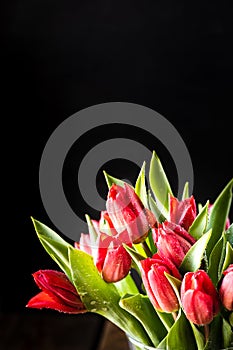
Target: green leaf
[
  {"x": 166, "y": 319},
  {"x": 150, "y": 242},
  {"x": 220, "y": 258},
  {"x": 199, "y": 224},
  {"x": 231, "y": 319},
  {"x": 192, "y": 260},
  {"x": 134, "y": 254},
  {"x": 228, "y": 257},
  {"x": 141, "y": 308},
  {"x": 140, "y": 186},
  {"x": 113, "y": 180},
  {"x": 180, "y": 335},
  {"x": 159, "y": 184},
  {"x": 200, "y": 341},
  {"x": 126, "y": 285},
  {"x": 92, "y": 232},
  {"x": 199, "y": 207},
  {"x": 227, "y": 334},
  {"x": 55, "y": 246},
  {"x": 218, "y": 216},
  {"x": 155, "y": 210},
  {"x": 185, "y": 191},
  {"x": 139, "y": 249},
  {"x": 175, "y": 283},
  {"x": 101, "y": 297},
  {"x": 215, "y": 337},
  {"x": 215, "y": 261},
  {"x": 229, "y": 235}
]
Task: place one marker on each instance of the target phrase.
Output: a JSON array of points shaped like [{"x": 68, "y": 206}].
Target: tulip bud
[
  {"x": 128, "y": 213},
  {"x": 84, "y": 244},
  {"x": 112, "y": 260},
  {"x": 116, "y": 265},
  {"x": 172, "y": 241},
  {"x": 159, "y": 290},
  {"x": 226, "y": 288},
  {"x": 182, "y": 212},
  {"x": 58, "y": 293},
  {"x": 110, "y": 257},
  {"x": 199, "y": 297},
  {"x": 105, "y": 224}
]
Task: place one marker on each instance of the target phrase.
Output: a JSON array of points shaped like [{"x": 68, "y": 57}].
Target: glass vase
[{"x": 136, "y": 345}]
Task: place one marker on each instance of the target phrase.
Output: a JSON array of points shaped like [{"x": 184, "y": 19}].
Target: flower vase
[{"x": 136, "y": 345}]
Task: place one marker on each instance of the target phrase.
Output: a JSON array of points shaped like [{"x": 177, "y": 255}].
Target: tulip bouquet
[{"x": 158, "y": 267}]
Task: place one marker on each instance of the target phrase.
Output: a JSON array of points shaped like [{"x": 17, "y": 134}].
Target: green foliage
[
  {"x": 180, "y": 336},
  {"x": 159, "y": 184},
  {"x": 140, "y": 186},
  {"x": 198, "y": 226},
  {"x": 141, "y": 308},
  {"x": 101, "y": 297},
  {"x": 113, "y": 180},
  {"x": 121, "y": 302},
  {"x": 192, "y": 260},
  {"x": 185, "y": 193},
  {"x": 218, "y": 216},
  {"x": 55, "y": 246}
]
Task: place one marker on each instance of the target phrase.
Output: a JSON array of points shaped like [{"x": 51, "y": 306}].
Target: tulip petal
[
  {"x": 145, "y": 269},
  {"x": 57, "y": 292},
  {"x": 43, "y": 300},
  {"x": 84, "y": 243},
  {"x": 225, "y": 290},
  {"x": 102, "y": 244},
  {"x": 162, "y": 289},
  {"x": 173, "y": 241},
  {"x": 199, "y": 297},
  {"x": 127, "y": 212},
  {"x": 182, "y": 212},
  {"x": 116, "y": 265},
  {"x": 159, "y": 289},
  {"x": 198, "y": 307}
]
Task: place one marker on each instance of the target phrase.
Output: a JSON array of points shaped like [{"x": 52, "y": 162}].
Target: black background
[{"x": 62, "y": 56}]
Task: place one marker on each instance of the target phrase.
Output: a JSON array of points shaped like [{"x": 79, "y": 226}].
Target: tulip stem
[
  {"x": 146, "y": 249},
  {"x": 174, "y": 315},
  {"x": 207, "y": 332}
]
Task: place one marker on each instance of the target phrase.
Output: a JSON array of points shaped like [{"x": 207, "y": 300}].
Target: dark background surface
[{"x": 63, "y": 56}]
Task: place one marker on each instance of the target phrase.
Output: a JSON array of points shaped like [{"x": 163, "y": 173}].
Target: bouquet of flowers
[{"x": 181, "y": 253}]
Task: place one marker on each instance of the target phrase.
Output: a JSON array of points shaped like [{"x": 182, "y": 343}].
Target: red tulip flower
[
  {"x": 105, "y": 224},
  {"x": 58, "y": 293},
  {"x": 226, "y": 288},
  {"x": 85, "y": 244},
  {"x": 159, "y": 290},
  {"x": 182, "y": 212},
  {"x": 112, "y": 260},
  {"x": 199, "y": 297},
  {"x": 173, "y": 241},
  {"x": 127, "y": 212},
  {"x": 110, "y": 257}
]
